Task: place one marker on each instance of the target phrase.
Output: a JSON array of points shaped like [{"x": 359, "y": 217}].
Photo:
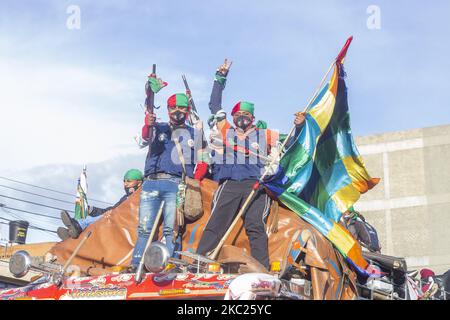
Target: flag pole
[
  {"x": 291, "y": 132},
  {"x": 255, "y": 187},
  {"x": 340, "y": 57}
]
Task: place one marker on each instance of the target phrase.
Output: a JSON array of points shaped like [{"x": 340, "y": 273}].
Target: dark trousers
[{"x": 228, "y": 199}]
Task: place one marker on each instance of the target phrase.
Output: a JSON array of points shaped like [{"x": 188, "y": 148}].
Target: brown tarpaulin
[{"x": 113, "y": 238}]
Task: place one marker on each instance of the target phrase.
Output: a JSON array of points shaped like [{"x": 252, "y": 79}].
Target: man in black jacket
[
  {"x": 239, "y": 160},
  {"x": 131, "y": 182}
]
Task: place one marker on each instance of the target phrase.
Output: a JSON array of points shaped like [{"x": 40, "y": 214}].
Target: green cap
[
  {"x": 178, "y": 100},
  {"x": 244, "y": 106},
  {"x": 133, "y": 174}
]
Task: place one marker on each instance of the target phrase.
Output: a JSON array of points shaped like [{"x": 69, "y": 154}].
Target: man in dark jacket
[
  {"x": 240, "y": 153},
  {"x": 174, "y": 148},
  {"x": 132, "y": 181}
]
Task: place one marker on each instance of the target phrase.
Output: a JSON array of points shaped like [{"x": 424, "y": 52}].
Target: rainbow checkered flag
[
  {"x": 81, "y": 204},
  {"x": 321, "y": 175}
]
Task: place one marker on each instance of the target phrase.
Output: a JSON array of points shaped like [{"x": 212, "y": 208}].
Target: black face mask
[
  {"x": 130, "y": 190},
  {"x": 178, "y": 118},
  {"x": 243, "y": 122}
]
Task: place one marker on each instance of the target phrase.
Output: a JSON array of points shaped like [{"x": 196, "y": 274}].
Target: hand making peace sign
[{"x": 225, "y": 67}]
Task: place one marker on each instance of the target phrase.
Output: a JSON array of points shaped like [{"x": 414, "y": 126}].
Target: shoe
[
  {"x": 72, "y": 225},
  {"x": 66, "y": 218},
  {"x": 63, "y": 233},
  {"x": 74, "y": 229}
]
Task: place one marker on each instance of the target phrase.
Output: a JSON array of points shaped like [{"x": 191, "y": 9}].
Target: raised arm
[
  {"x": 152, "y": 87},
  {"x": 215, "y": 102},
  {"x": 299, "y": 123}
]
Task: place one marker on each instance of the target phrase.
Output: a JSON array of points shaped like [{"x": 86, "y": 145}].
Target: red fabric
[
  {"x": 172, "y": 101},
  {"x": 236, "y": 108},
  {"x": 426, "y": 273},
  {"x": 200, "y": 171},
  {"x": 145, "y": 132},
  {"x": 343, "y": 52},
  {"x": 145, "y": 128},
  {"x": 425, "y": 287}
]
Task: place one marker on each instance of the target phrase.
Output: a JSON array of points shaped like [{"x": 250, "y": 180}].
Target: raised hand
[
  {"x": 225, "y": 67},
  {"x": 150, "y": 119},
  {"x": 299, "y": 118}
]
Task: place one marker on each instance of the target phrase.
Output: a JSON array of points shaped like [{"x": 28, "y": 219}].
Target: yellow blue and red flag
[{"x": 321, "y": 175}]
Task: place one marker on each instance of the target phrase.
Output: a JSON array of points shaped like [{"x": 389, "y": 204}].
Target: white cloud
[
  {"x": 58, "y": 114},
  {"x": 64, "y": 112}
]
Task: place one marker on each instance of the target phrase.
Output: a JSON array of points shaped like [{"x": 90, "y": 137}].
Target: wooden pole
[
  {"x": 216, "y": 251},
  {"x": 137, "y": 278},
  {"x": 75, "y": 252}
]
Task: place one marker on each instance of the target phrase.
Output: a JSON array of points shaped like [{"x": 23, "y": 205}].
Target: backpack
[
  {"x": 364, "y": 232},
  {"x": 190, "y": 195}
]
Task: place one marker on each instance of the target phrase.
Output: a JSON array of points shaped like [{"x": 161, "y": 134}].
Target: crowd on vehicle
[{"x": 235, "y": 155}]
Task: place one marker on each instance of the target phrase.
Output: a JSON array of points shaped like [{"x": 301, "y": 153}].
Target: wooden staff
[
  {"x": 75, "y": 252},
  {"x": 138, "y": 276},
  {"x": 255, "y": 187}
]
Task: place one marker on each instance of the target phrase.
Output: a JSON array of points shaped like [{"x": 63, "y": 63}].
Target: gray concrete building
[{"x": 411, "y": 205}]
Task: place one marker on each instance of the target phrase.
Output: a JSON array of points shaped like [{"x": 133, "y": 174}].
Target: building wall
[{"x": 411, "y": 206}]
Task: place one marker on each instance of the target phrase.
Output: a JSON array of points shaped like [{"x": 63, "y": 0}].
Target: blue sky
[
  {"x": 397, "y": 74},
  {"x": 69, "y": 97}
]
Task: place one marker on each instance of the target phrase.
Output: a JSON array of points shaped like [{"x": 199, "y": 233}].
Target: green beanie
[{"x": 133, "y": 174}]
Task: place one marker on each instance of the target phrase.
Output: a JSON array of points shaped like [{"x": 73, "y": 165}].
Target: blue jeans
[
  {"x": 84, "y": 223},
  {"x": 152, "y": 194}
]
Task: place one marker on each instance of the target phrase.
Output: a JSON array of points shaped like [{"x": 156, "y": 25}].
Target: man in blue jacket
[
  {"x": 239, "y": 156},
  {"x": 164, "y": 167}
]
